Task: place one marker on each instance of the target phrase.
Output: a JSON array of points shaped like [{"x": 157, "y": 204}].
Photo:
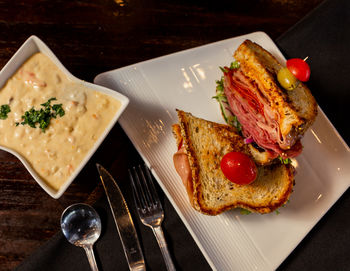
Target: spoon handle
[{"x": 91, "y": 257}]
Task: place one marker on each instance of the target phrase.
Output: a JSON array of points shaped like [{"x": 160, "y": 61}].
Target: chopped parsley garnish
[
  {"x": 43, "y": 116},
  {"x": 285, "y": 161},
  {"x": 4, "y": 110},
  {"x": 47, "y": 104},
  {"x": 58, "y": 109}
]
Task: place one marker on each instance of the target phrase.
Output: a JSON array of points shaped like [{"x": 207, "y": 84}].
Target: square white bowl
[{"x": 31, "y": 46}]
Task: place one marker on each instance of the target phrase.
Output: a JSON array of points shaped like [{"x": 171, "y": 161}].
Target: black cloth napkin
[
  {"x": 58, "y": 254},
  {"x": 324, "y": 36}
]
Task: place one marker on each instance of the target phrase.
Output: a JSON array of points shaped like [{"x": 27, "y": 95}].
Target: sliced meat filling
[{"x": 259, "y": 121}]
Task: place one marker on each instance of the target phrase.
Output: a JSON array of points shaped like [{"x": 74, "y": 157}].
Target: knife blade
[{"x": 123, "y": 221}]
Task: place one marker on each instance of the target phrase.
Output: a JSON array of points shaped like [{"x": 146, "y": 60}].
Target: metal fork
[{"x": 149, "y": 208}]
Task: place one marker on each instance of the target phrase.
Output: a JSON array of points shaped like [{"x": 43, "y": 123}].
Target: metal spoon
[{"x": 81, "y": 225}]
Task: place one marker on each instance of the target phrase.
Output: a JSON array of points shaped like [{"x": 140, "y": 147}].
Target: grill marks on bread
[
  {"x": 297, "y": 108},
  {"x": 205, "y": 144}
]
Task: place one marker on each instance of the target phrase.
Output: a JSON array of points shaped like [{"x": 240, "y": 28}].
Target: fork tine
[
  {"x": 151, "y": 189},
  {"x": 138, "y": 193},
  {"x": 145, "y": 188},
  {"x": 149, "y": 208}
]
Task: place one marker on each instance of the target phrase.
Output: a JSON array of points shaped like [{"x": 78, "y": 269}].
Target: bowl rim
[{"x": 34, "y": 45}]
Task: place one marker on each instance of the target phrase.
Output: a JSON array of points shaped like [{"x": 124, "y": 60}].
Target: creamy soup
[{"x": 56, "y": 152}]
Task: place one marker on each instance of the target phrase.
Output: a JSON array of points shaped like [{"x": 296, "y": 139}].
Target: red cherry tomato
[
  {"x": 238, "y": 168},
  {"x": 299, "y": 68}
]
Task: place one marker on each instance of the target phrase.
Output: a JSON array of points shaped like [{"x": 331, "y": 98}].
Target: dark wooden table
[{"x": 91, "y": 37}]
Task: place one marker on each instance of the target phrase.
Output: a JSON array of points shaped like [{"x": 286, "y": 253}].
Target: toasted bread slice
[
  {"x": 297, "y": 108},
  {"x": 205, "y": 144}
]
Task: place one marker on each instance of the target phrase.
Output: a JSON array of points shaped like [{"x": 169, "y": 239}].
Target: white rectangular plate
[{"x": 186, "y": 80}]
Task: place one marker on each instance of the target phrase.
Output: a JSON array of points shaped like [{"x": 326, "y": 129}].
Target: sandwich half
[
  {"x": 201, "y": 146},
  {"x": 272, "y": 117}
]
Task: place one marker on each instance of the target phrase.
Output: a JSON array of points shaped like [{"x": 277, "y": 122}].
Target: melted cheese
[{"x": 57, "y": 152}]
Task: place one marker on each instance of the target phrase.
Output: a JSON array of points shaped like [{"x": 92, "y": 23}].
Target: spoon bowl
[{"x": 81, "y": 225}]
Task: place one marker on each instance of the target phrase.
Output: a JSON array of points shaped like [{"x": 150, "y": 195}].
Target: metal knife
[{"x": 123, "y": 221}]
